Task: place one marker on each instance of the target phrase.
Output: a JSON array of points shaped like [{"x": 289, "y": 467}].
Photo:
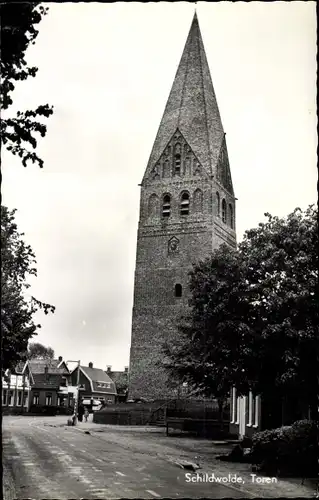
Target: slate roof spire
[{"x": 192, "y": 107}]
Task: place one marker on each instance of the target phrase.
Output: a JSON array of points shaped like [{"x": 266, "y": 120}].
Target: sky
[{"x": 108, "y": 70}]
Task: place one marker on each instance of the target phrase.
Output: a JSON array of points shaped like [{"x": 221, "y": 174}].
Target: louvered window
[
  {"x": 177, "y": 164},
  {"x": 231, "y": 216},
  {"x": 185, "y": 204},
  {"x": 166, "y": 212},
  {"x": 224, "y": 212}
]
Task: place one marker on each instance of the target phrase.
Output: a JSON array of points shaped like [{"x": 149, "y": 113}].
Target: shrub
[{"x": 288, "y": 449}]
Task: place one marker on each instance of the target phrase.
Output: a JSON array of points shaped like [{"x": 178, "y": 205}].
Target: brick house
[
  {"x": 49, "y": 384},
  {"x": 120, "y": 379},
  {"x": 95, "y": 384}
]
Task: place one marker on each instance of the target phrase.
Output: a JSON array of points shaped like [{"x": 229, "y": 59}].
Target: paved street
[
  {"x": 60, "y": 462},
  {"x": 49, "y": 460}
]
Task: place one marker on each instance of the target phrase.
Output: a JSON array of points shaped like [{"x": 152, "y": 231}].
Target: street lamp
[{"x": 76, "y": 405}]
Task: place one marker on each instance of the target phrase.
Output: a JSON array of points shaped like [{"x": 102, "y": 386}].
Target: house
[
  {"x": 49, "y": 384},
  {"x": 120, "y": 379},
  {"x": 16, "y": 389},
  {"x": 94, "y": 383},
  {"x": 245, "y": 414},
  {"x": 252, "y": 413}
]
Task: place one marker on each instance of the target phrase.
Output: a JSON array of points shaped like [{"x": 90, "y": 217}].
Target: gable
[
  {"x": 177, "y": 161},
  {"x": 223, "y": 169},
  {"x": 63, "y": 365}
]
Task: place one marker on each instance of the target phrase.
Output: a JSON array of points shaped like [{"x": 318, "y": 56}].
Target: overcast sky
[{"x": 108, "y": 69}]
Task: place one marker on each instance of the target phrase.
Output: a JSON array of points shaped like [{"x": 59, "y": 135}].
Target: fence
[
  {"x": 151, "y": 413},
  {"x": 125, "y": 416}
]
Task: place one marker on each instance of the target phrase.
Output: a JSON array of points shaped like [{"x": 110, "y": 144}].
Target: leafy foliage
[
  {"x": 288, "y": 449},
  {"x": 39, "y": 351},
  {"x": 215, "y": 285},
  {"x": 18, "y": 32},
  {"x": 17, "y": 264},
  {"x": 254, "y": 315}
]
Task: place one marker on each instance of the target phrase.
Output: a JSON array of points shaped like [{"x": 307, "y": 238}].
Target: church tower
[{"x": 187, "y": 209}]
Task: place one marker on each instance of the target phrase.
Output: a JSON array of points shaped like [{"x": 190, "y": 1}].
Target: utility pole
[
  {"x": 23, "y": 390},
  {"x": 76, "y": 404}
]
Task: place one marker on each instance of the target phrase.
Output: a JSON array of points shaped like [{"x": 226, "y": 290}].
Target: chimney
[
  {"x": 46, "y": 372},
  {"x": 126, "y": 369},
  {"x": 109, "y": 368},
  {"x": 60, "y": 359},
  {"x": 90, "y": 364}
]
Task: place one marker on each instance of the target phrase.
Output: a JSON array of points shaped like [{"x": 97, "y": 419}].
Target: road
[{"x": 62, "y": 462}]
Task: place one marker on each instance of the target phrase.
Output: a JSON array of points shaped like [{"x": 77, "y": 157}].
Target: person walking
[{"x": 86, "y": 413}]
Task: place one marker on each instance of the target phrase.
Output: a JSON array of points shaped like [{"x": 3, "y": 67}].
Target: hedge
[{"x": 288, "y": 450}]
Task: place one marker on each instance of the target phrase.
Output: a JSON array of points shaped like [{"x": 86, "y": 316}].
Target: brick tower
[{"x": 187, "y": 209}]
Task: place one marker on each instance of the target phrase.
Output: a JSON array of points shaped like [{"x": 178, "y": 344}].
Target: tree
[
  {"x": 18, "y": 32},
  {"x": 209, "y": 353},
  {"x": 17, "y": 309},
  {"x": 254, "y": 315},
  {"x": 39, "y": 351}
]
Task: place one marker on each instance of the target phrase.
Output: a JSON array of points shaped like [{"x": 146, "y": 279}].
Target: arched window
[
  {"x": 166, "y": 169},
  {"x": 178, "y": 290},
  {"x": 218, "y": 204},
  {"x": 224, "y": 212},
  {"x": 153, "y": 205},
  {"x": 185, "y": 204},
  {"x": 177, "y": 159},
  {"x": 187, "y": 166},
  {"x": 231, "y": 216},
  {"x": 198, "y": 200},
  {"x": 166, "y": 211}
]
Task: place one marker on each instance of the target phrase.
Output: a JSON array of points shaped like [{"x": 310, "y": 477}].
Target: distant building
[
  {"x": 50, "y": 379},
  {"x": 120, "y": 379},
  {"x": 36, "y": 385},
  {"x": 16, "y": 389},
  {"x": 187, "y": 209},
  {"x": 94, "y": 383}
]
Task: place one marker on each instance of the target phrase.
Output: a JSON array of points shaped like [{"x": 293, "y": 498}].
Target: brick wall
[{"x": 156, "y": 310}]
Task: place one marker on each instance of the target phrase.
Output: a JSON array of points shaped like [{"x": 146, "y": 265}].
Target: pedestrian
[
  {"x": 86, "y": 413},
  {"x": 80, "y": 412}
]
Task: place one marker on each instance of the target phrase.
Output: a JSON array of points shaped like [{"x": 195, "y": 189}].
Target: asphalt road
[{"x": 62, "y": 463}]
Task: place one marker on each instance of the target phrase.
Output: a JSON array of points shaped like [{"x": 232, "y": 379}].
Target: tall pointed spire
[{"x": 192, "y": 107}]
